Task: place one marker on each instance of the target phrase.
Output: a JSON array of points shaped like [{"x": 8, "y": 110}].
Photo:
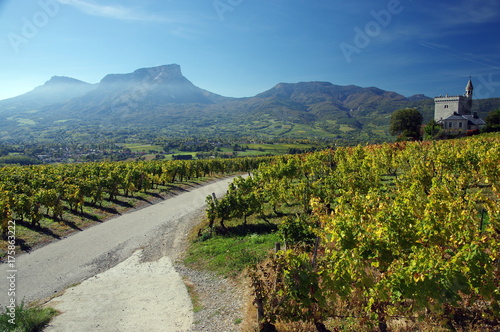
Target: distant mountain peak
[
  {"x": 59, "y": 89},
  {"x": 155, "y": 75},
  {"x": 160, "y": 72},
  {"x": 62, "y": 79},
  {"x": 153, "y": 87}
]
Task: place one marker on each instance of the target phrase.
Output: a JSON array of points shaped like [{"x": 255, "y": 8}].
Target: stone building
[{"x": 455, "y": 114}]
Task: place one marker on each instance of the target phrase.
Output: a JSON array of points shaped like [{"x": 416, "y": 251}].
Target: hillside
[
  {"x": 58, "y": 89},
  {"x": 161, "y": 101}
]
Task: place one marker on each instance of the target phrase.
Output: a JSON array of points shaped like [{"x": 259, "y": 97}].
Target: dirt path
[
  {"x": 160, "y": 230},
  {"x": 132, "y": 296}
]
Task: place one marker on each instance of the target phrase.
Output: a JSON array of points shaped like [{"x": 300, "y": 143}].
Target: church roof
[
  {"x": 471, "y": 119},
  {"x": 469, "y": 86},
  {"x": 475, "y": 120},
  {"x": 455, "y": 117}
]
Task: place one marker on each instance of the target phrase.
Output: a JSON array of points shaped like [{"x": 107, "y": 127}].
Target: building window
[
  {"x": 450, "y": 124},
  {"x": 445, "y": 106},
  {"x": 460, "y": 124}
]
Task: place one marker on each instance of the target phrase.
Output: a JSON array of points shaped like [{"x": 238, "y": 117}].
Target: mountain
[
  {"x": 58, "y": 89},
  {"x": 159, "y": 85},
  {"x": 418, "y": 97},
  {"x": 326, "y": 100},
  {"x": 311, "y": 93},
  {"x": 161, "y": 101},
  {"x": 142, "y": 95},
  {"x": 331, "y": 108}
]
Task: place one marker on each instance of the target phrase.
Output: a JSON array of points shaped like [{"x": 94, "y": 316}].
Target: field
[
  {"x": 139, "y": 147},
  {"x": 251, "y": 150}
]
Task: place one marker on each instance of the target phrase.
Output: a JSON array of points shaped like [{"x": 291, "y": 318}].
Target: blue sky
[{"x": 239, "y": 48}]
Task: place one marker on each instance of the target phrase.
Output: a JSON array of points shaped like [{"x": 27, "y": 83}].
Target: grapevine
[{"x": 409, "y": 230}]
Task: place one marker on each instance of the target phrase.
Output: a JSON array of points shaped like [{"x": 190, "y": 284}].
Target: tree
[
  {"x": 406, "y": 122},
  {"x": 432, "y": 129},
  {"x": 493, "y": 120}
]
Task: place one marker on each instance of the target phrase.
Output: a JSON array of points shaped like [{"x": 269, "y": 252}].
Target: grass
[
  {"x": 24, "y": 319},
  {"x": 276, "y": 149},
  {"x": 229, "y": 252},
  {"x": 345, "y": 128},
  {"x": 138, "y": 147},
  {"x": 26, "y": 122},
  {"x": 229, "y": 255},
  {"x": 193, "y": 294},
  {"x": 254, "y": 150},
  {"x": 169, "y": 156},
  {"x": 252, "y": 153}
]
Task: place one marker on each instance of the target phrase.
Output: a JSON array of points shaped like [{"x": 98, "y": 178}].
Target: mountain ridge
[
  {"x": 58, "y": 89},
  {"x": 173, "y": 72},
  {"x": 161, "y": 100}
]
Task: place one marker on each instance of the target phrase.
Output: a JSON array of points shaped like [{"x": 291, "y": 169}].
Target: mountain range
[{"x": 161, "y": 101}]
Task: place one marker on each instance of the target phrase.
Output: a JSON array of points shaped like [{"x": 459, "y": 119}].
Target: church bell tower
[
  {"x": 469, "y": 89},
  {"x": 446, "y": 106}
]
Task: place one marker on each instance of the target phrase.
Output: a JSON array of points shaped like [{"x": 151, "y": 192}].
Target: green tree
[
  {"x": 493, "y": 120},
  {"x": 432, "y": 129},
  {"x": 406, "y": 122}
]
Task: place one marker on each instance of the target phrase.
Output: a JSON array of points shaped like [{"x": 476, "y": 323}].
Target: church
[{"x": 455, "y": 114}]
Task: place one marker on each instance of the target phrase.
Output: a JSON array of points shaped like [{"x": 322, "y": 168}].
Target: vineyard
[
  {"x": 387, "y": 237},
  {"x": 41, "y": 198}
]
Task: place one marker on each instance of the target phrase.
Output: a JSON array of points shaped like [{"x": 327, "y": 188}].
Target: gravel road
[
  {"x": 132, "y": 296},
  {"x": 127, "y": 249}
]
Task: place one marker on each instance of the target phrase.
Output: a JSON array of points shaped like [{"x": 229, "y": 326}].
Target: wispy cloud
[
  {"x": 465, "y": 12},
  {"x": 454, "y": 53},
  {"x": 452, "y": 18},
  {"x": 117, "y": 12}
]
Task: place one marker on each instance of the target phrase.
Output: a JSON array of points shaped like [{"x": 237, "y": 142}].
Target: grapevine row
[
  {"x": 391, "y": 230},
  {"x": 26, "y": 192}
]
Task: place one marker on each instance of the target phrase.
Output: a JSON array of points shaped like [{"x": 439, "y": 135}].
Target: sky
[{"x": 239, "y": 48}]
